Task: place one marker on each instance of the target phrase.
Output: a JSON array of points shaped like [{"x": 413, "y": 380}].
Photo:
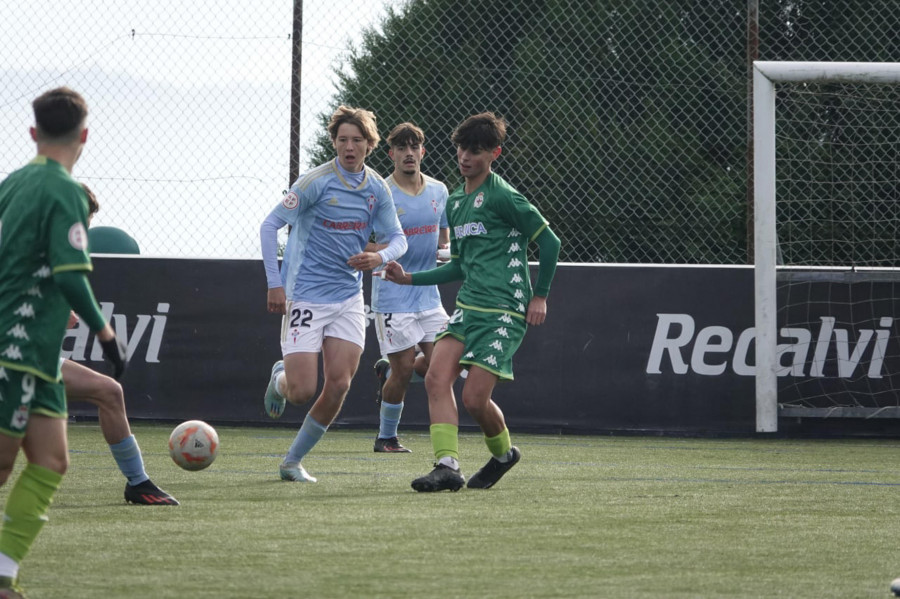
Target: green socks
[
  {"x": 26, "y": 510},
  {"x": 499, "y": 446},
  {"x": 445, "y": 440}
]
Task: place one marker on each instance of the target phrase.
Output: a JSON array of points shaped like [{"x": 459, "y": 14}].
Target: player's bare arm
[
  {"x": 394, "y": 273},
  {"x": 275, "y": 300}
]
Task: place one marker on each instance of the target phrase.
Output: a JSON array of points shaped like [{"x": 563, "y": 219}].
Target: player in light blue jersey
[
  {"x": 407, "y": 316},
  {"x": 332, "y": 211}
]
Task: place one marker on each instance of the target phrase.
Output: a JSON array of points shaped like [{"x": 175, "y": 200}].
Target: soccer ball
[{"x": 193, "y": 445}]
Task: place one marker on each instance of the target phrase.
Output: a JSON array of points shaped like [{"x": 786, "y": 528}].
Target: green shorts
[
  {"x": 490, "y": 338},
  {"x": 22, "y": 394}
]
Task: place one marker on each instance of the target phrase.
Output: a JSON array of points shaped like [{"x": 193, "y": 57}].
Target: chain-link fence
[{"x": 628, "y": 118}]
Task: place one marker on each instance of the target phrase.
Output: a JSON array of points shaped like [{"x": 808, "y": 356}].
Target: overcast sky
[{"x": 189, "y": 127}]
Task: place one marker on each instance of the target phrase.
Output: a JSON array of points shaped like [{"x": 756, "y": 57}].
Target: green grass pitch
[{"x": 580, "y": 516}]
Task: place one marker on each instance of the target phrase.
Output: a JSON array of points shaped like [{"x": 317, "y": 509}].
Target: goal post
[{"x": 765, "y": 77}]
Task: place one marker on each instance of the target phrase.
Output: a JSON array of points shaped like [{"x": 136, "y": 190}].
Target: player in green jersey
[
  {"x": 43, "y": 264},
  {"x": 491, "y": 225}
]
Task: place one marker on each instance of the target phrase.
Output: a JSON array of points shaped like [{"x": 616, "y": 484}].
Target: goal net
[{"x": 827, "y": 240}]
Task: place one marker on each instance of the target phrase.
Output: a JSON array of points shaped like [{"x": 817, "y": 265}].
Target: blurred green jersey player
[{"x": 43, "y": 264}]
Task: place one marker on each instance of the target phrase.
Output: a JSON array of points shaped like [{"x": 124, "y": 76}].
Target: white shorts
[
  {"x": 305, "y": 326},
  {"x": 401, "y": 330}
]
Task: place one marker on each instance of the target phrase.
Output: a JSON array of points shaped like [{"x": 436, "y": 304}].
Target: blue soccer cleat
[{"x": 273, "y": 400}]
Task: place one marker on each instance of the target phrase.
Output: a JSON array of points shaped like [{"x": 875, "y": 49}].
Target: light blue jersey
[
  {"x": 422, "y": 216},
  {"x": 331, "y": 221}
]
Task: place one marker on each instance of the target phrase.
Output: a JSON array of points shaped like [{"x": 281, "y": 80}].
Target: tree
[{"x": 627, "y": 118}]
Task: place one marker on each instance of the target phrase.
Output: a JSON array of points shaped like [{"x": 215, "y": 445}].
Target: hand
[
  {"x": 276, "y": 301},
  {"x": 365, "y": 261},
  {"x": 114, "y": 351},
  {"x": 394, "y": 273},
  {"x": 73, "y": 319},
  {"x": 443, "y": 253},
  {"x": 537, "y": 311}
]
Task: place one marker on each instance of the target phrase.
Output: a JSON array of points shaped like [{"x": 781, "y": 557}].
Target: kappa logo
[
  {"x": 516, "y": 278},
  {"x": 505, "y": 318},
  {"x": 456, "y": 204},
  {"x": 42, "y": 273},
  {"x": 26, "y": 310},
  {"x": 514, "y": 263},
  {"x": 78, "y": 238},
  {"x": 332, "y": 202},
  {"x": 491, "y": 360},
  {"x": 18, "y": 331},
  {"x": 479, "y": 199},
  {"x": 502, "y": 332},
  {"x": 497, "y": 345},
  {"x": 34, "y": 292},
  {"x": 12, "y": 352},
  {"x": 400, "y": 211},
  {"x": 513, "y": 248},
  {"x": 291, "y": 200},
  {"x": 514, "y": 233}
]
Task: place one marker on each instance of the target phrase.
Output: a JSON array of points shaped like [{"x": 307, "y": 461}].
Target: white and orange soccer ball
[{"x": 193, "y": 445}]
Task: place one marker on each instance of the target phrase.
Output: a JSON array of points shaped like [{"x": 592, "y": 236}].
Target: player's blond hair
[{"x": 364, "y": 119}]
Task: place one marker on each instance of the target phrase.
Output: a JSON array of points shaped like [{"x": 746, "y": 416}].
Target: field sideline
[{"x": 580, "y": 516}]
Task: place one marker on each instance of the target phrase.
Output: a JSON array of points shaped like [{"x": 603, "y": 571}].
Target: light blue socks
[
  {"x": 128, "y": 457},
  {"x": 390, "y": 419},
  {"x": 307, "y": 437}
]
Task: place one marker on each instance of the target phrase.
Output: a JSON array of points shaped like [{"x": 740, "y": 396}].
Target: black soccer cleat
[
  {"x": 381, "y": 368},
  {"x": 391, "y": 445},
  {"x": 494, "y": 470},
  {"x": 146, "y": 493},
  {"x": 442, "y": 478}
]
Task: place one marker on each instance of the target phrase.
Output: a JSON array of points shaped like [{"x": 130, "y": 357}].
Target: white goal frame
[{"x": 765, "y": 75}]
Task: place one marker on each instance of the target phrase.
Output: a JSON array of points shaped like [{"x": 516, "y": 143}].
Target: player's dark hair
[
  {"x": 93, "y": 204},
  {"x": 364, "y": 119},
  {"x": 484, "y": 131},
  {"x": 59, "y": 115},
  {"x": 405, "y": 134}
]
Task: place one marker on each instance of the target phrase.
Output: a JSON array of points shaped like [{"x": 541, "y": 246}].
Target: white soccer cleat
[{"x": 295, "y": 473}]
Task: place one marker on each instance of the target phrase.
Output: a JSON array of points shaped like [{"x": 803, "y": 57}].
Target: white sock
[
  {"x": 448, "y": 461},
  {"x": 8, "y": 567},
  {"x": 505, "y": 457}
]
